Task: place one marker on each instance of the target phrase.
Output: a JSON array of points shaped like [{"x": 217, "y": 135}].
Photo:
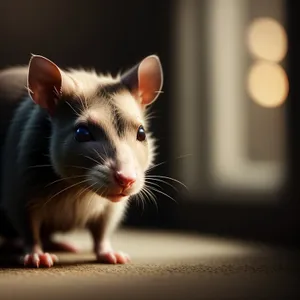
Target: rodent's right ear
[
  {"x": 44, "y": 82},
  {"x": 145, "y": 80}
]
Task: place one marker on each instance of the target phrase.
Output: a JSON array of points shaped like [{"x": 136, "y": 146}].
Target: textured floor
[{"x": 164, "y": 264}]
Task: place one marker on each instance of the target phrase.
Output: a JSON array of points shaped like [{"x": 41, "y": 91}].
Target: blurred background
[{"x": 227, "y": 122}]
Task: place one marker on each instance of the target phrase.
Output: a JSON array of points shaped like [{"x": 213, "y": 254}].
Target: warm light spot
[
  {"x": 267, "y": 39},
  {"x": 268, "y": 84}
]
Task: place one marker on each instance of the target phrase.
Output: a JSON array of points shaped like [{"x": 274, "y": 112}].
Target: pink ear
[
  {"x": 150, "y": 77},
  {"x": 44, "y": 82},
  {"x": 145, "y": 80}
]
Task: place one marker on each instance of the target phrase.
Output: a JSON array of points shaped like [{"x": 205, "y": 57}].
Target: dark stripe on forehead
[
  {"x": 110, "y": 89},
  {"x": 121, "y": 122},
  {"x": 118, "y": 120}
]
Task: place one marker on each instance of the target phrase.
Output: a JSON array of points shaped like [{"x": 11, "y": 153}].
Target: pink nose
[{"x": 125, "y": 180}]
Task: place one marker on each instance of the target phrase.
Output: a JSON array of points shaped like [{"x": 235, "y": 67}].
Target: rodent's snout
[
  {"x": 117, "y": 179},
  {"x": 125, "y": 179}
]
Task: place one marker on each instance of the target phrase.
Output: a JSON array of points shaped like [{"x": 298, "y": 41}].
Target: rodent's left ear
[
  {"x": 44, "y": 82},
  {"x": 145, "y": 80}
]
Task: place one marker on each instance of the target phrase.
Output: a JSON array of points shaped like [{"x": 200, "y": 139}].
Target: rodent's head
[{"x": 100, "y": 139}]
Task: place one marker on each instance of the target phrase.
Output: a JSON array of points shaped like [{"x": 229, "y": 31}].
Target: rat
[{"x": 74, "y": 152}]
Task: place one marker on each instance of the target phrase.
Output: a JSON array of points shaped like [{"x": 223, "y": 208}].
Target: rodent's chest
[{"x": 69, "y": 212}]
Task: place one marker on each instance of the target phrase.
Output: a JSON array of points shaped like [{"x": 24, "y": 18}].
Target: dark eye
[
  {"x": 83, "y": 134},
  {"x": 141, "y": 134}
]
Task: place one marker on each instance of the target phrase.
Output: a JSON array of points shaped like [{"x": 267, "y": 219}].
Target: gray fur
[{"x": 40, "y": 150}]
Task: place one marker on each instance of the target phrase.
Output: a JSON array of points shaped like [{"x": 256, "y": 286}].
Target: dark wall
[{"x": 106, "y": 35}]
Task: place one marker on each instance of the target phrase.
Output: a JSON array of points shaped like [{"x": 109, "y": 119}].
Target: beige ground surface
[{"x": 164, "y": 265}]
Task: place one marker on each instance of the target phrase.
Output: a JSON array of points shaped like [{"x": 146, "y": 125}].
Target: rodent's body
[
  {"x": 12, "y": 94},
  {"x": 50, "y": 181},
  {"x": 26, "y": 164}
]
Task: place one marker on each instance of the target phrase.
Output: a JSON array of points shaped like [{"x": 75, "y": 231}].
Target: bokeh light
[
  {"x": 267, "y": 84},
  {"x": 267, "y": 39}
]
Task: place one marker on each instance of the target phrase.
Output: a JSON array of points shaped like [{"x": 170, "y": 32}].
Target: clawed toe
[
  {"x": 37, "y": 260},
  {"x": 112, "y": 257}
]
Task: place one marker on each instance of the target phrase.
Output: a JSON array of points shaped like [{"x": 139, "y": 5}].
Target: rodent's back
[
  {"x": 12, "y": 91},
  {"x": 18, "y": 131}
]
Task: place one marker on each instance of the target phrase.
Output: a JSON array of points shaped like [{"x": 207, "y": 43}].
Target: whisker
[
  {"x": 90, "y": 187},
  {"x": 66, "y": 178},
  {"x": 160, "y": 180},
  {"x": 67, "y": 188},
  {"x": 82, "y": 101},
  {"x": 104, "y": 191},
  {"x": 140, "y": 201},
  {"x": 159, "y": 92},
  {"x": 164, "y": 162},
  {"x": 151, "y": 197},
  {"x": 153, "y": 183},
  {"x": 156, "y": 165},
  {"x": 150, "y": 118},
  {"x": 92, "y": 159},
  {"x": 143, "y": 200},
  {"x": 105, "y": 151},
  {"x": 99, "y": 189},
  {"x": 85, "y": 189},
  {"x": 100, "y": 156},
  {"x": 28, "y": 90},
  {"x": 57, "y": 92},
  {"x": 158, "y": 191},
  {"x": 69, "y": 104},
  {"x": 166, "y": 177},
  {"x": 184, "y": 156},
  {"x": 147, "y": 197},
  {"x": 40, "y": 166},
  {"x": 151, "y": 115},
  {"x": 78, "y": 167}
]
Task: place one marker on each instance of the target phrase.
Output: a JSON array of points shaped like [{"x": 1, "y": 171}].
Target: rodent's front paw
[
  {"x": 113, "y": 257},
  {"x": 37, "y": 260}
]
